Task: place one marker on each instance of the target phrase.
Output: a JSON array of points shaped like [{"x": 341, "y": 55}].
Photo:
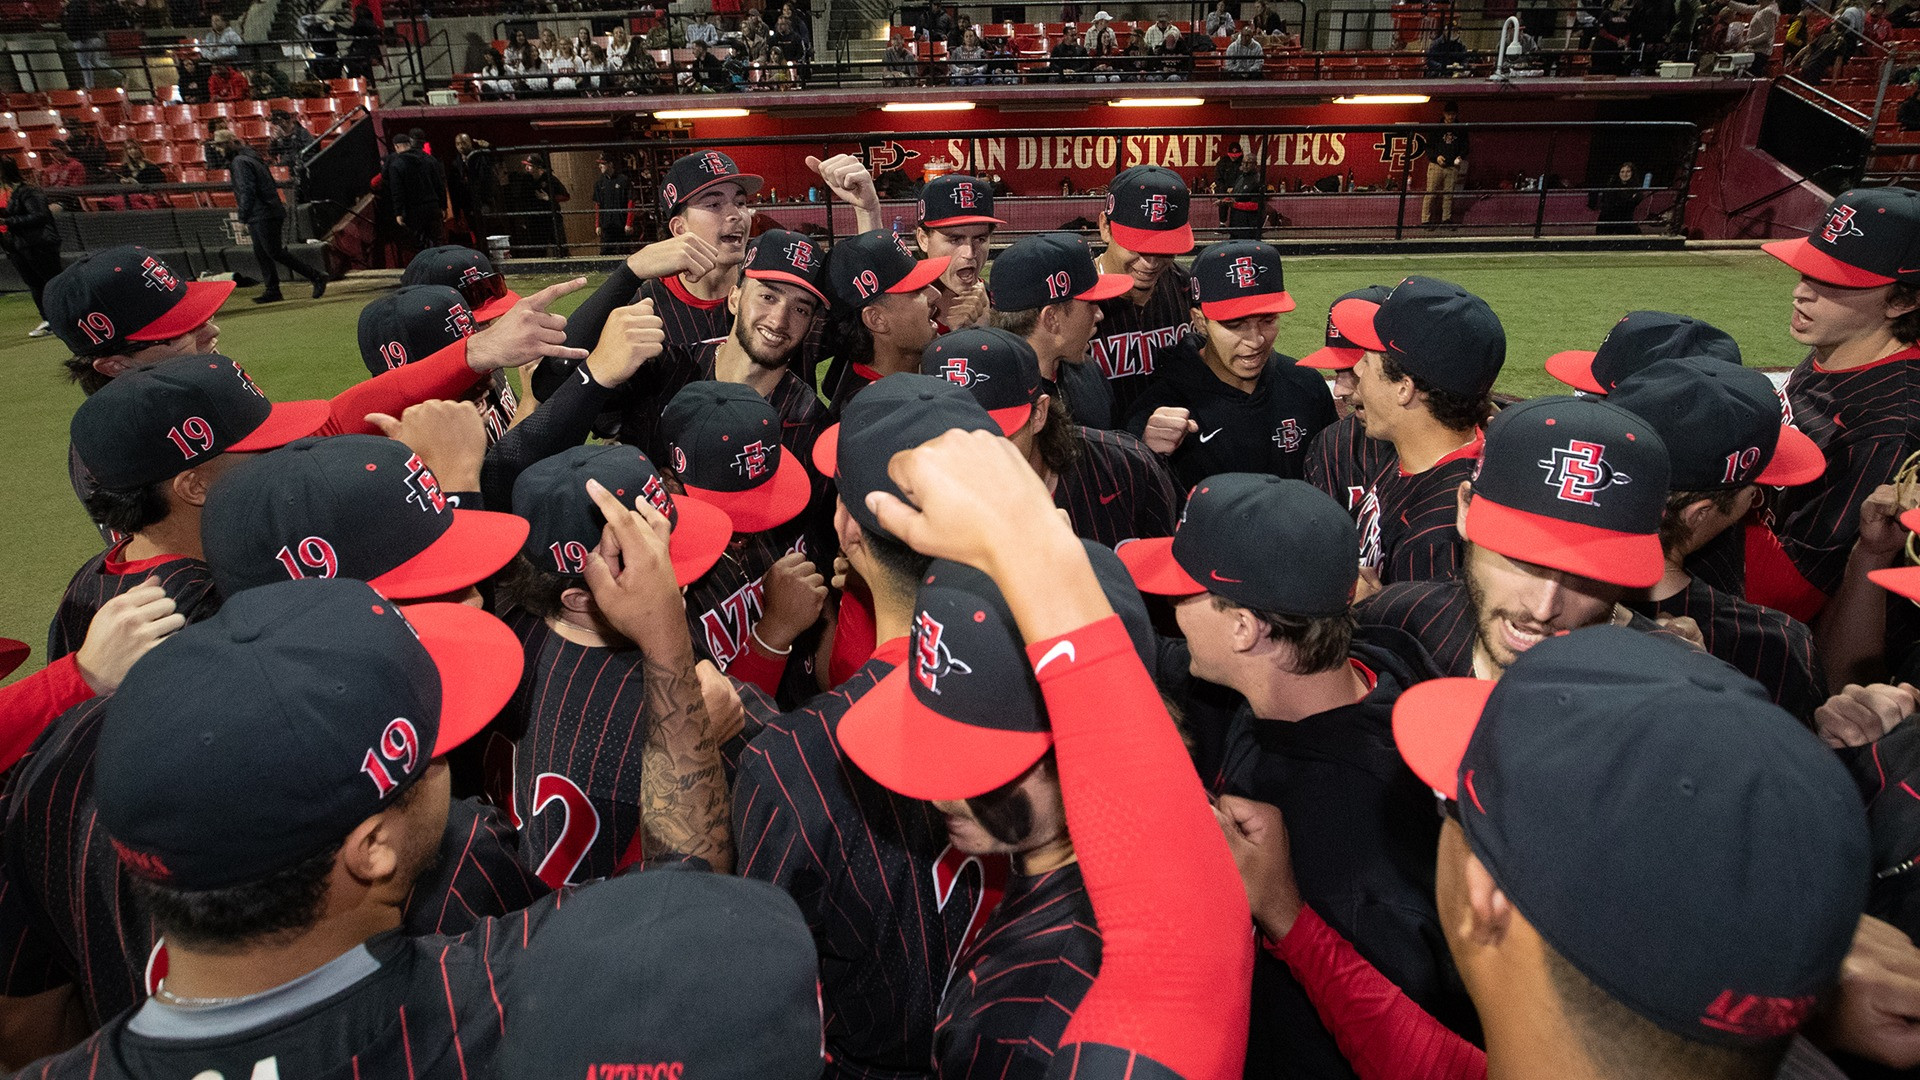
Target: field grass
[{"x": 304, "y": 349}]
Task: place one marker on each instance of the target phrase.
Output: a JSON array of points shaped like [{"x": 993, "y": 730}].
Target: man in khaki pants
[{"x": 1446, "y": 160}]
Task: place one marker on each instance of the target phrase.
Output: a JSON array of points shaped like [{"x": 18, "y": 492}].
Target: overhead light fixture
[
  {"x": 1382, "y": 99},
  {"x": 700, "y": 114},
  {"x": 1157, "y": 102},
  {"x": 926, "y": 106}
]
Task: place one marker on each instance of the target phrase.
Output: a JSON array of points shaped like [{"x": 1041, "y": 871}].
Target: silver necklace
[{"x": 162, "y": 993}]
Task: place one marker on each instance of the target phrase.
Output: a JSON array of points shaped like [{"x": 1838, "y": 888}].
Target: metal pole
[
  {"x": 1880, "y": 98},
  {"x": 1406, "y": 182},
  {"x": 1540, "y": 214}
]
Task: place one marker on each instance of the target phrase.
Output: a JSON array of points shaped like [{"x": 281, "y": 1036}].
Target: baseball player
[
  {"x": 1341, "y": 459},
  {"x": 1854, "y": 309},
  {"x": 482, "y": 287},
  {"x": 956, "y": 221},
  {"x": 417, "y": 321},
  {"x": 880, "y": 312},
  {"x": 1432, "y": 353},
  {"x": 1561, "y": 520},
  {"x": 1312, "y": 736},
  {"x": 1724, "y": 440},
  {"x": 1112, "y": 488},
  {"x": 154, "y": 441},
  {"x": 1047, "y": 289},
  {"x": 961, "y": 726},
  {"x": 606, "y": 724},
  {"x": 1144, "y": 227},
  {"x": 1221, "y": 400},
  {"x": 889, "y": 901}
]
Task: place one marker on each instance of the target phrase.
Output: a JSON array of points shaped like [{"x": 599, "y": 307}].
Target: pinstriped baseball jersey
[
  {"x": 1766, "y": 646},
  {"x": 1341, "y": 460},
  {"x": 105, "y": 576},
  {"x": 1408, "y": 520},
  {"x": 1117, "y": 489},
  {"x": 1130, "y": 337}
]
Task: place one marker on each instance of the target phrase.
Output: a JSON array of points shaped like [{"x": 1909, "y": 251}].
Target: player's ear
[
  {"x": 1902, "y": 300},
  {"x": 847, "y": 529},
  {"x": 920, "y": 234},
  {"x": 1198, "y": 321},
  {"x": 577, "y": 600},
  {"x": 1488, "y": 912},
  {"x": 1106, "y": 233},
  {"x": 1461, "y": 496},
  {"x": 677, "y": 224},
  {"x": 874, "y": 319},
  {"x": 733, "y": 300},
  {"x": 1249, "y": 630},
  {"x": 112, "y": 366},
  {"x": 371, "y": 853},
  {"x": 1037, "y": 423},
  {"x": 190, "y": 487}
]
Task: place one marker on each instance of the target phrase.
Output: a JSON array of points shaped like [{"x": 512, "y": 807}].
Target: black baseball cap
[
  {"x": 361, "y": 507},
  {"x": 157, "y": 422},
  {"x": 1721, "y": 425},
  {"x": 947, "y": 723},
  {"x": 698, "y": 171},
  {"x": 266, "y": 733},
  {"x": 957, "y": 200},
  {"x": 1339, "y": 353},
  {"x": 1435, "y": 329},
  {"x": 1237, "y": 279},
  {"x": 1147, "y": 210},
  {"x": 861, "y": 268},
  {"x": 1050, "y": 268},
  {"x": 996, "y": 366},
  {"x": 1639, "y": 339},
  {"x": 1904, "y": 580},
  {"x": 1573, "y": 484},
  {"x": 779, "y": 255},
  {"x": 897, "y": 413},
  {"x": 1265, "y": 543},
  {"x": 714, "y": 974},
  {"x": 1683, "y": 842},
  {"x": 126, "y": 298},
  {"x": 467, "y": 270},
  {"x": 412, "y": 324},
  {"x": 565, "y": 523},
  {"x": 1868, "y": 237},
  {"x": 726, "y": 450}
]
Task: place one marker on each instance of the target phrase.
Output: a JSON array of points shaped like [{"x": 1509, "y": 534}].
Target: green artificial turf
[{"x": 303, "y": 348}]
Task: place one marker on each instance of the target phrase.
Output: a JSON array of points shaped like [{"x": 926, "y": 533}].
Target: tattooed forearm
[{"x": 683, "y": 786}]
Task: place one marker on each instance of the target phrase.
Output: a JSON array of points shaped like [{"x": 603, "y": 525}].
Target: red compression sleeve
[
  {"x": 1380, "y": 1030},
  {"x": 28, "y": 706},
  {"x": 854, "y": 635},
  {"x": 1772, "y": 579},
  {"x": 445, "y": 374},
  {"x": 762, "y": 671},
  {"x": 1176, "y": 966}
]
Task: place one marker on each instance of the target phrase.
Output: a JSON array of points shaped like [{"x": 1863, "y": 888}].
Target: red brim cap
[
  {"x": 1152, "y": 242},
  {"x": 700, "y": 536},
  {"x": 474, "y": 548},
  {"x": 915, "y": 751},
  {"x": 790, "y": 279},
  {"x": 1242, "y": 306},
  {"x": 289, "y": 420},
  {"x": 826, "y": 452},
  {"x": 1433, "y": 722},
  {"x": 1331, "y": 358},
  {"x": 479, "y": 661},
  {"x": 1108, "y": 287},
  {"x": 194, "y": 309},
  {"x": 1796, "y": 460},
  {"x": 1012, "y": 418},
  {"x": 496, "y": 307},
  {"x": 1803, "y": 256},
  {"x": 1901, "y": 580},
  {"x": 1630, "y": 560},
  {"x": 1354, "y": 320},
  {"x": 1154, "y": 570},
  {"x": 975, "y": 220},
  {"x": 1575, "y": 368},
  {"x": 12, "y": 655},
  {"x": 925, "y": 273},
  {"x": 775, "y": 502}
]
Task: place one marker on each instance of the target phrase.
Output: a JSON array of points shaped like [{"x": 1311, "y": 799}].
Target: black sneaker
[
  {"x": 268, "y": 298},
  {"x": 319, "y": 287}
]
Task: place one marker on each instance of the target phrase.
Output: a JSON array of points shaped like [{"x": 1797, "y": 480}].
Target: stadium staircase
[{"x": 1865, "y": 94}]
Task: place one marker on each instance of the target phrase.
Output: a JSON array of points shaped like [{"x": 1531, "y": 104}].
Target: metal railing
[{"x": 151, "y": 73}]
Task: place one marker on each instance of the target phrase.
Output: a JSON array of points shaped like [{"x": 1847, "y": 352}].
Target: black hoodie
[{"x": 1266, "y": 431}]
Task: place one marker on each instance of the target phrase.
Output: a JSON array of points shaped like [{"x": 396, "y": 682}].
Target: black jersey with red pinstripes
[
  {"x": 67, "y": 912},
  {"x": 1130, "y": 336},
  {"x": 105, "y": 576},
  {"x": 802, "y": 415},
  {"x": 1117, "y": 489},
  {"x": 889, "y": 902},
  {"x": 1772, "y": 649},
  {"x": 1439, "y": 614},
  {"x": 1866, "y": 421},
  {"x": 1344, "y": 463},
  {"x": 1014, "y": 991},
  {"x": 1408, "y": 521},
  {"x": 690, "y": 323},
  {"x": 724, "y": 605}
]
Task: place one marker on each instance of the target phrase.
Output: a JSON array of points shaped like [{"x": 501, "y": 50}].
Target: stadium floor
[{"x": 304, "y": 348}]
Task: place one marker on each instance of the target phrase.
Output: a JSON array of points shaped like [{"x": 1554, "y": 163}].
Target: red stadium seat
[
  {"x": 183, "y": 200},
  {"x": 222, "y": 198},
  {"x": 26, "y": 119},
  {"x": 347, "y": 86},
  {"x": 178, "y": 114},
  {"x": 211, "y": 109},
  {"x": 141, "y": 114},
  {"x": 286, "y": 105},
  {"x": 193, "y": 174},
  {"x": 147, "y": 133},
  {"x": 66, "y": 99},
  {"x": 247, "y": 108},
  {"x": 318, "y": 107},
  {"x": 317, "y": 125},
  {"x": 158, "y": 153},
  {"x": 250, "y": 128},
  {"x": 41, "y": 138},
  {"x": 11, "y": 141}
]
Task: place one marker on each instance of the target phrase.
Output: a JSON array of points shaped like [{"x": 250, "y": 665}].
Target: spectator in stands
[
  {"x": 268, "y": 81},
  {"x": 1156, "y": 35},
  {"x": 86, "y": 23},
  {"x": 521, "y": 66},
  {"x": 1245, "y": 55},
  {"x": 137, "y": 169},
  {"x": 967, "y": 63},
  {"x": 290, "y": 141},
  {"x": 959, "y": 32},
  {"x": 228, "y": 83},
  {"x": 618, "y": 45},
  {"x": 1069, "y": 62},
  {"x": 257, "y": 200},
  {"x": 1220, "y": 20},
  {"x": 702, "y": 30},
  {"x": 899, "y": 64},
  {"x": 86, "y": 148},
  {"x": 1853, "y": 22},
  {"x": 192, "y": 86},
  {"x": 415, "y": 187},
  {"x": 222, "y": 43},
  {"x": 565, "y": 66},
  {"x": 1100, "y": 39},
  {"x": 1003, "y": 63},
  {"x": 215, "y": 154},
  {"x": 1616, "y": 202},
  {"x": 1266, "y": 20},
  {"x": 798, "y": 17},
  {"x": 59, "y": 169},
  {"x": 640, "y": 74},
  {"x": 582, "y": 38},
  {"x": 1447, "y": 55},
  {"x": 31, "y": 238},
  {"x": 548, "y": 228},
  {"x": 612, "y": 198},
  {"x": 1879, "y": 27},
  {"x": 363, "y": 44},
  {"x": 789, "y": 38},
  {"x": 1763, "y": 21},
  {"x": 1131, "y": 62},
  {"x": 753, "y": 31},
  {"x": 705, "y": 72}
]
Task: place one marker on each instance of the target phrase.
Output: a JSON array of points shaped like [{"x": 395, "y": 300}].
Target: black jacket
[
  {"x": 415, "y": 185},
  {"x": 30, "y": 220},
  {"x": 1266, "y": 431},
  {"x": 253, "y": 187},
  {"x": 612, "y": 194}
]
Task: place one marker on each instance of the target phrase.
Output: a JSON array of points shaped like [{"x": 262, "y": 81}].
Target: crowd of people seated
[{"x": 700, "y": 55}]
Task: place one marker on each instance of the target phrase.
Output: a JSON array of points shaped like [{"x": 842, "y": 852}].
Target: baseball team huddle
[{"x": 845, "y": 662}]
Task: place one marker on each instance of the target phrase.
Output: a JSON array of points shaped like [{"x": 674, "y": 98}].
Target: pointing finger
[{"x": 540, "y": 300}]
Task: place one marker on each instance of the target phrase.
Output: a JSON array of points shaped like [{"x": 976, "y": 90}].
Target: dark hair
[
  {"x": 1672, "y": 530},
  {"x": 1621, "y": 1042},
  {"x": 227, "y": 920},
  {"x": 533, "y": 590},
  {"x": 1456, "y": 412},
  {"x": 1906, "y": 328},
  {"x": 1006, "y": 812},
  {"x": 905, "y": 565},
  {"x": 129, "y": 512},
  {"x": 80, "y": 369},
  {"x": 10, "y": 171},
  {"x": 1059, "y": 443},
  {"x": 1319, "y": 644},
  {"x": 846, "y": 336},
  {"x": 1018, "y": 323}
]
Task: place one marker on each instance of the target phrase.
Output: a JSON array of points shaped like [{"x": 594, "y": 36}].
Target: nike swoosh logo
[
  {"x": 1215, "y": 575},
  {"x": 1211, "y": 434},
  {"x": 1060, "y": 648},
  {"x": 1105, "y": 499}
]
